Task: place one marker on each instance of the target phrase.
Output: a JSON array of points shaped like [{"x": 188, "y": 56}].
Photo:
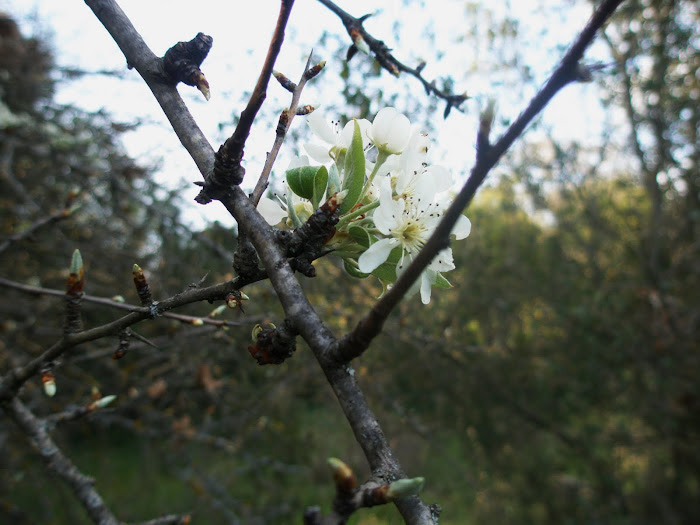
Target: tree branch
[
  {"x": 569, "y": 70},
  {"x": 58, "y": 463},
  {"x": 387, "y": 60},
  {"x": 227, "y": 170}
]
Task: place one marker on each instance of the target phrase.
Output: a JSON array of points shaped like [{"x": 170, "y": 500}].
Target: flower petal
[
  {"x": 390, "y": 131},
  {"x": 318, "y": 153},
  {"x": 375, "y": 255},
  {"x": 462, "y": 228},
  {"x": 271, "y": 211},
  {"x": 319, "y": 125}
]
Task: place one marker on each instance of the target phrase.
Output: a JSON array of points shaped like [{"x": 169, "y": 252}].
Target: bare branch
[
  {"x": 227, "y": 166},
  {"x": 150, "y": 67},
  {"x": 283, "y": 126},
  {"x": 360, "y": 37},
  {"x": 358, "y": 340},
  {"x": 10, "y": 384}
]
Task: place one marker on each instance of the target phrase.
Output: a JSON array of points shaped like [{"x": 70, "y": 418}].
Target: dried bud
[{"x": 283, "y": 123}]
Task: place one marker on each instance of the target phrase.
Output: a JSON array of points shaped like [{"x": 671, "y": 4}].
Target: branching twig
[
  {"x": 227, "y": 170},
  {"x": 387, "y": 60},
  {"x": 111, "y": 303},
  {"x": 568, "y": 70},
  {"x": 282, "y": 128},
  {"x": 10, "y": 384}
]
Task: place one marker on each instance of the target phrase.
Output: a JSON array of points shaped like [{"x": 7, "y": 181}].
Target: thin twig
[
  {"x": 227, "y": 170},
  {"x": 10, "y": 383},
  {"x": 111, "y": 303},
  {"x": 45, "y": 221},
  {"x": 282, "y": 129},
  {"x": 389, "y": 62},
  {"x": 358, "y": 340}
]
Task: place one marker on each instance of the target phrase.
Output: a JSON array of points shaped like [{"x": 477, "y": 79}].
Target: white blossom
[
  {"x": 334, "y": 142},
  {"x": 390, "y": 131}
]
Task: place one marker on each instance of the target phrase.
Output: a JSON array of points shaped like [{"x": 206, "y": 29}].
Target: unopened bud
[
  {"x": 343, "y": 475},
  {"x": 315, "y": 70},
  {"x": 403, "y": 488},
  {"x": 284, "y": 81},
  {"x": 305, "y": 110},
  {"x": 103, "y": 402},
  {"x": 358, "y": 41},
  {"x": 49, "y": 383},
  {"x": 218, "y": 310},
  {"x": 202, "y": 84}
]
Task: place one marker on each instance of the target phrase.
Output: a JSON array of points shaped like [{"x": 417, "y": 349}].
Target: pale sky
[{"x": 241, "y": 32}]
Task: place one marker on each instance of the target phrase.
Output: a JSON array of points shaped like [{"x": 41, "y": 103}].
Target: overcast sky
[{"x": 241, "y": 32}]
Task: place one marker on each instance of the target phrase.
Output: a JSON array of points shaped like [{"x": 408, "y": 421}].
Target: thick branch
[
  {"x": 150, "y": 67},
  {"x": 357, "y": 341}
]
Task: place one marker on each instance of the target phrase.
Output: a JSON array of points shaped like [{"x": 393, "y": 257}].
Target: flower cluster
[{"x": 391, "y": 204}]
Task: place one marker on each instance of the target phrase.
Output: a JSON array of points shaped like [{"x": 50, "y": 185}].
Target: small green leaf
[
  {"x": 441, "y": 282},
  {"x": 386, "y": 272},
  {"x": 320, "y": 183},
  {"x": 354, "y": 171},
  {"x": 361, "y": 236},
  {"x": 354, "y": 272},
  {"x": 333, "y": 180},
  {"x": 305, "y": 180}
]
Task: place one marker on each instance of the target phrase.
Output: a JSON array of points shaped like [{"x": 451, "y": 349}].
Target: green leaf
[
  {"x": 308, "y": 182},
  {"x": 386, "y": 272},
  {"x": 320, "y": 183},
  {"x": 333, "y": 180},
  {"x": 361, "y": 236},
  {"x": 441, "y": 282},
  {"x": 354, "y": 171},
  {"x": 354, "y": 271}
]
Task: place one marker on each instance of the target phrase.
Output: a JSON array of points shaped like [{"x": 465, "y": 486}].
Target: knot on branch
[
  {"x": 305, "y": 244},
  {"x": 227, "y": 173},
  {"x": 181, "y": 62},
  {"x": 245, "y": 260},
  {"x": 273, "y": 345}
]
